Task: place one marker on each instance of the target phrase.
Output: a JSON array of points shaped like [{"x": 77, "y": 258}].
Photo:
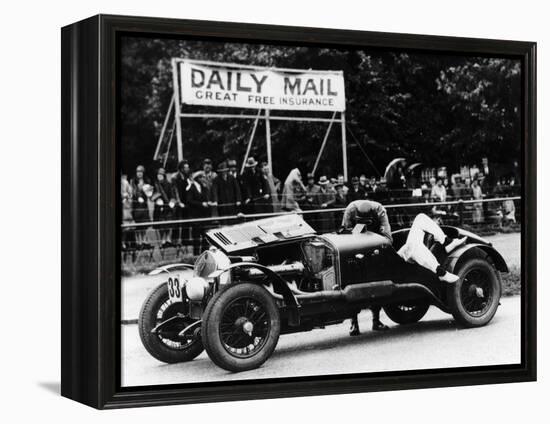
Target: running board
[
  {"x": 352, "y": 293},
  {"x": 366, "y": 291}
]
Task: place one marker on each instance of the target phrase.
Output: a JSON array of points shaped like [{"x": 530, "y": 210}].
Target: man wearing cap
[
  {"x": 364, "y": 183},
  {"x": 197, "y": 201},
  {"x": 374, "y": 215},
  {"x": 312, "y": 200},
  {"x": 341, "y": 200},
  {"x": 232, "y": 165},
  {"x": 165, "y": 208},
  {"x": 326, "y": 198},
  {"x": 312, "y": 191},
  {"x": 226, "y": 191},
  {"x": 180, "y": 182},
  {"x": 251, "y": 186},
  {"x": 270, "y": 201},
  {"x": 356, "y": 192},
  {"x": 340, "y": 180},
  {"x": 209, "y": 176},
  {"x": 363, "y": 211}
]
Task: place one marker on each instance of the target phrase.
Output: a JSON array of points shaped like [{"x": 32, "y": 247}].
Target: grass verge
[{"x": 511, "y": 282}]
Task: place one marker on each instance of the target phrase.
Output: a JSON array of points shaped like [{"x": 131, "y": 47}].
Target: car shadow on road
[
  {"x": 368, "y": 336},
  {"x": 203, "y": 364}
]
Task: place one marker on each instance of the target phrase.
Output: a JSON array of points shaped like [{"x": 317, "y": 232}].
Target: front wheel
[
  {"x": 474, "y": 298},
  {"x": 167, "y": 345},
  {"x": 241, "y": 327},
  {"x": 408, "y": 313}
]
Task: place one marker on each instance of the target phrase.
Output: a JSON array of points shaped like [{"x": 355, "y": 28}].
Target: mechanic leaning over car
[{"x": 374, "y": 216}]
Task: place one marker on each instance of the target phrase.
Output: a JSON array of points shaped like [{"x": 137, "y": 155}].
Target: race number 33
[{"x": 174, "y": 288}]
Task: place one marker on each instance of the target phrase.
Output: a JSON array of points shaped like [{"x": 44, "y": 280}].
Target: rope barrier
[{"x": 244, "y": 217}]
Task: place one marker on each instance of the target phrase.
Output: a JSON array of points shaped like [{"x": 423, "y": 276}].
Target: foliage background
[{"x": 442, "y": 110}]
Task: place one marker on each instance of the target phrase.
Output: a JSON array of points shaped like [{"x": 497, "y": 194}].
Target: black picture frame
[{"x": 90, "y": 215}]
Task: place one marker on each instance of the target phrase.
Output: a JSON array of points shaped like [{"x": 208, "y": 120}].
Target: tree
[{"x": 441, "y": 110}]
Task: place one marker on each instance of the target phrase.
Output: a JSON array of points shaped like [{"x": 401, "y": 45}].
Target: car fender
[
  {"x": 171, "y": 268},
  {"x": 472, "y": 250},
  {"x": 278, "y": 283}
]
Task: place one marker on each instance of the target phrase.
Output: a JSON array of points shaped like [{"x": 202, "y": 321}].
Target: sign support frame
[
  {"x": 344, "y": 147},
  {"x": 268, "y": 141},
  {"x": 249, "y": 145},
  {"x": 177, "y": 108},
  {"x": 268, "y": 117}
]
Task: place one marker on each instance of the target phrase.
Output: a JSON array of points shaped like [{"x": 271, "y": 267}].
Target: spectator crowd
[{"x": 224, "y": 191}]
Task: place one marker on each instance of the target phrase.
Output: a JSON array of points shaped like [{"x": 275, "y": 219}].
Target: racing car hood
[{"x": 248, "y": 235}]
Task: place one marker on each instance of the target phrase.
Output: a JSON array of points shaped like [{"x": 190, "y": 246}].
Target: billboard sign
[{"x": 229, "y": 85}]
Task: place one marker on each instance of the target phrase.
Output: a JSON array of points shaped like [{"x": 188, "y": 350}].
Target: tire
[
  {"x": 169, "y": 350},
  {"x": 231, "y": 309},
  {"x": 406, "y": 313},
  {"x": 469, "y": 307}
]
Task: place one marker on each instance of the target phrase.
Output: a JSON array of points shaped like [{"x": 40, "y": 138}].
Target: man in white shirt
[{"x": 375, "y": 217}]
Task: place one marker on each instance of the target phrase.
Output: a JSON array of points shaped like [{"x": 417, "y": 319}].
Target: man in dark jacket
[
  {"x": 208, "y": 180},
  {"x": 251, "y": 186},
  {"x": 232, "y": 165},
  {"x": 269, "y": 201},
  {"x": 180, "y": 183},
  {"x": 356, "y": 192},
  {"x": 312, "y": 201},
  {"x": 360, "y": 211},
  {"x": 165, "y": 206},
  {"x": 197, "y": 201},
  {"x": 312, "y": 189},
  {"x": 226, "y": 191},
  {"x": 325, "y": 197}
]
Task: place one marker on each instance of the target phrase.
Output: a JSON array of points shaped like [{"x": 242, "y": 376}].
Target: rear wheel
[
  {"x": 166, "y": 345},
  {"x": 408, "y": 313},
  {"x": 241, "y": 327},
  {"x": 474, "y": 298}
]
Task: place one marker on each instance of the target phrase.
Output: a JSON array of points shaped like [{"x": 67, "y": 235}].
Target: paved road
[{"x": 434, "y": 342}]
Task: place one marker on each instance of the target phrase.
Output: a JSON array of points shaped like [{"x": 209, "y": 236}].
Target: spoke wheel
[
  {"x": 169, "y": 335},
  {"x": 474, "y": 298},
  {"x": 407, "y": 313},
  {"x": 166, "y": 344},
  {"x": 244, "y": 327},
  {"x": 476, "y": 292},
  {"x": 241, "y": 327}
]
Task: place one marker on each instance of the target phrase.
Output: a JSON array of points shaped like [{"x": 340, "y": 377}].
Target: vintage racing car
[{"x": 275, "y": 276}]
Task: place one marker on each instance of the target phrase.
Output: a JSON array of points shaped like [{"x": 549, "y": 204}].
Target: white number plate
[{"x": 175, "y": 288}]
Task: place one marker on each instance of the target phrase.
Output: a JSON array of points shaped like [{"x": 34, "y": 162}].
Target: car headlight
[
  {"x": 210, "y": 261},
  {"x": 195, "y": 288}
]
